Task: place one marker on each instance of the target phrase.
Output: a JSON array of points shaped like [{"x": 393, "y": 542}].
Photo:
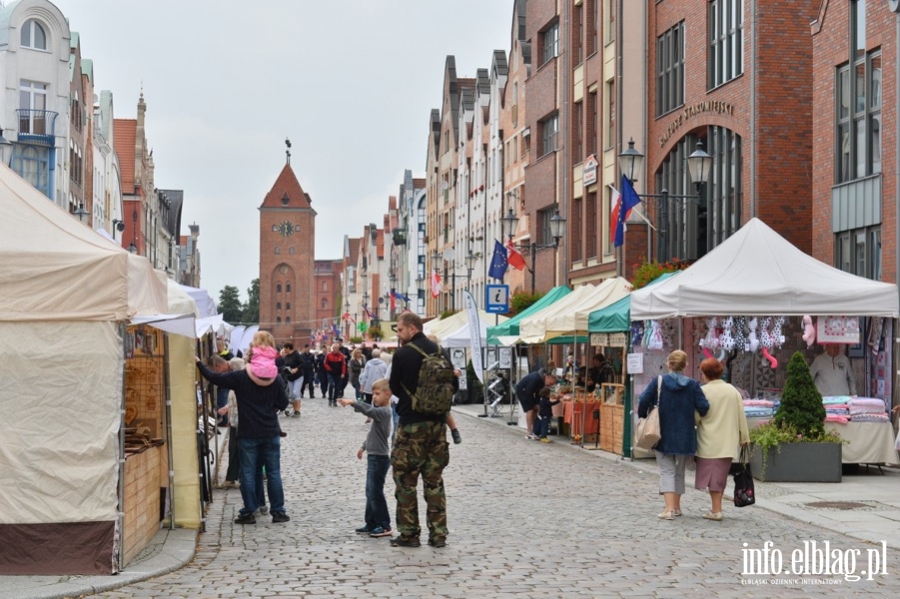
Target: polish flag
[
  {"x": 615, "y": 200},
  {"x": 436, "y": 284},
  {"x": 514, "y": 258}
]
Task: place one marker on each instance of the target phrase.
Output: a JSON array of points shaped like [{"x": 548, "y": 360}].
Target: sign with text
[
  {"x": 496, "y": 299},
  {"x": 635, "y": 364}
]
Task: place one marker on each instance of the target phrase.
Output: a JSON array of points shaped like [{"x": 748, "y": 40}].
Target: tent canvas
[
  {"x": 757, "y": 272},
  {"x": 206, "y": 305},
  {"x": 55, "y": 268},
  {"x": 510, "y": 328},
  {"x": 442, "y": 328},
  {"x": 616, "y": 317},
  {"x": 462, "y": 337},
  {"x": 570, "y": 314},
  {"x": 65, "y": 291}
]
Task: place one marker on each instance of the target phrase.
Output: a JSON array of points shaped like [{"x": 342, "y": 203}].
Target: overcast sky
[{"x": 350, "y": 83}]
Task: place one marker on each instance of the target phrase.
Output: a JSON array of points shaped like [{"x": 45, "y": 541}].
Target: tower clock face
[{"x": 286, "y": 228}]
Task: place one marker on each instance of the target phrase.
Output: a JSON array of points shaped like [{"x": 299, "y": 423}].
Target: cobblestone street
[{"x": 526, "y": 520}]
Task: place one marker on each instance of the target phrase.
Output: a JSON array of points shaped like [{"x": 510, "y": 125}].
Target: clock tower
[{"x": 287, "y": 239}]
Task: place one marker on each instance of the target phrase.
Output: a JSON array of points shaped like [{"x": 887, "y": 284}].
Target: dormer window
[
  {"x": 33, "y": 35},
  {"x": 285, "y": 200}
]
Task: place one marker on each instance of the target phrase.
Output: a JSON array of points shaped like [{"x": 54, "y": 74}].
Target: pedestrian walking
[
  {"x": 420, "y": 443},
  {"x": 357, "y": 363},
  {"x": 375, "y": 369},
  {"x": 336, "y": 368},
  {"x": 322, "y": 373},
  {"x": 719, "y": 434},
  {"x": 378, "y": 517},
  {"x": 676, "y": 396},
  {"x": 293, "y": 373}
]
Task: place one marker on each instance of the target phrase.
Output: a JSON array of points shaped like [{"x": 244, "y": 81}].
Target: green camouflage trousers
[{"x": 420, "y": 448}]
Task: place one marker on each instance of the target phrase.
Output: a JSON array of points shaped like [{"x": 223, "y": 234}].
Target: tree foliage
[
  {"x": 801, "y": 403},
  {"x": 522, "y": 300},
  {"x": 250, "y": 312},
  {"x": 230, "y": 304}
]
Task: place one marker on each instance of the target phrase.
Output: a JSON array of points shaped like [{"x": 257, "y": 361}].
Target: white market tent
[
  {"x": 462, "y": 337},
  {"x": 451, "y": 324},
  {"x": 570, "y": 314},
  {"x": 206, "y": 305},
  {"x": 757, "y": 272},
  {"x": 66, "y": 291}
]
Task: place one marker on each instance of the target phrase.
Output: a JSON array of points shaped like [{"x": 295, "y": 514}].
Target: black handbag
[{"x": 744, "y": 494}]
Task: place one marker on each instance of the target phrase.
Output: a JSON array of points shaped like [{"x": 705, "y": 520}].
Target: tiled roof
[{"x": 286, "y": 185}]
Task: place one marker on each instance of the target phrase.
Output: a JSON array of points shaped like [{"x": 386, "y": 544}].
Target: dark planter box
[{"x": 799, "y": 463}]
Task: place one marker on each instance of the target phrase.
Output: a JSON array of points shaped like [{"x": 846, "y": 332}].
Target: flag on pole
[
  {"x": 615, "y": 200},
  {"x": 393, "y": 301},
  {"x": 498, "y": 262},
  {"x": 401, "y": 297},
  {"x": 629, "y": 199},
  {"x": 347, "y": 316},
  {"x": 366, "y": 310},
  {"x": 514, "y": 258},
  {"x": 335, "y": 330},
  {"x": 435, "y": 283}
]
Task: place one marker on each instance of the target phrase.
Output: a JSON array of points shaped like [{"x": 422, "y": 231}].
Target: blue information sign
[{"x": 496, "y": 299}]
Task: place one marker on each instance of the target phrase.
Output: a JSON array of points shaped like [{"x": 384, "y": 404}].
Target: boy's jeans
[
  {"x": 542, "y": 426},
  {"x": 377, "y": 513}
]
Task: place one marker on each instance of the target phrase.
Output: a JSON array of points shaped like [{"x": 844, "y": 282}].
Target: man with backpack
[{"x": 424, "y": 383}]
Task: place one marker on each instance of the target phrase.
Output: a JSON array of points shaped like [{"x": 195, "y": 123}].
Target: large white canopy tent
[
  {"x": 462, "y": 337},
  {"x": 757, "y": 272},
  {"x": 66, "y": 292}
]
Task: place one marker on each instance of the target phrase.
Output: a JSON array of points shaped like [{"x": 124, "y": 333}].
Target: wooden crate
[{"x": 612, "y": 424}]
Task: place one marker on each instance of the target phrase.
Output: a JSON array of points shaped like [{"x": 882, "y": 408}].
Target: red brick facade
[
  {"x": 768, "y": 105},
  {"x": 831, "y": 50},
  {"x": 328, "y": 293}
]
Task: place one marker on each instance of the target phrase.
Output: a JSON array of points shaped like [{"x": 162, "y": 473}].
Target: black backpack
[{"x": 437, "y": 384}]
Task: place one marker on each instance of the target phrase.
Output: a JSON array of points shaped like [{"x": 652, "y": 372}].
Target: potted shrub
[{"x": 794, "y": 446}]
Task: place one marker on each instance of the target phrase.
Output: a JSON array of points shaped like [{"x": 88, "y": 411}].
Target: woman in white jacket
[{"x": 375, "y": 369}]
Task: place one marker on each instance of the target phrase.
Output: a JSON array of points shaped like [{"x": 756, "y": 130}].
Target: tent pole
[
  {"x": 169, "y": 436},
  {"x": 120, "y": 516}
]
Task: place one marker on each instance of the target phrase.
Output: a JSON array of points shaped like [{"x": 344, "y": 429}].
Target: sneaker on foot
[
  {"x": 363, "y": 530},
  {"x": 545, "y": 440},
  {"x": 280, "y": 517},
  {"x": 245, "y": 519},
  {"x": 437, "y": 542},
  {"x": 457, "y": 438},
  {"x": 402, "y": 541},
  {"x": 378, "y": 531}
]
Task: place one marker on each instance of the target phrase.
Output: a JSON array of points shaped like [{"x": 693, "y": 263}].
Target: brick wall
[{"x": 143, "y": 472}]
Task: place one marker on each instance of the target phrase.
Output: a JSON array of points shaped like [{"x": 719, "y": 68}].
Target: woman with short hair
[
  {"x": 720, "y": 433},
  {"x": 678, "y": 397}
]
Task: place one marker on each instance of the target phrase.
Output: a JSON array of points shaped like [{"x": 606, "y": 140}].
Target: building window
[
  {"x": 287, "y": 320},
  {"x": 720, "y": 216},
  {"x": 288, "y": 289},
  {"x": 278, "y": 305},
  {"x": 610, "y": 114},
  {"x": 33, "y": 165},
  {"x": 287, "y": 306},
  {"x": 278, "y": 320},
  {"x": 578, "y": 34},
  {"x": 33, "y": 98},
  {"x": 550, "y": 43},
  {"x": 609, "y": 21},
  {"x": 726, "y": 41},
  {"x": 324, "y": 303},
  {"x": 291, "y": 251},
  {"x": 859, "y": 252},
  {"x": 549, "y": 132},
  {"x": 277, "y": 250},
  {"x": 608, "y": 235},
  {"x": 545, "y": 235},
  {"x": 590, "y": 225},
  {"x": 33, "y": 35},
  {"x": 278, "y": 288},
  {"x": 858, "y": 110},
  {"x": 578, "y": 130},
  {"x": 578, "y": 224},
  {"x": 324, "y": 285},
  {"x": 670, "y": 70}
]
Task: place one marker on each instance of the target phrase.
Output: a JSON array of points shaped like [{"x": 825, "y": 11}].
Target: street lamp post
[
  {"x": 470, "y": 266},
  {"x": 82, "y": 214},
  {"x": 699, "y": 164},
  {"x": 557, "y": 225},
  {"x": 133, "y": 248}
]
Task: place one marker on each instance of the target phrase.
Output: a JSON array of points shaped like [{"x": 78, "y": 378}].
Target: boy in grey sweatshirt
[{"x": 377, "y": 444}]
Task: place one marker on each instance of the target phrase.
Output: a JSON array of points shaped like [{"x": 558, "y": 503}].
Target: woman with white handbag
[{"x": 677, "y": 397}]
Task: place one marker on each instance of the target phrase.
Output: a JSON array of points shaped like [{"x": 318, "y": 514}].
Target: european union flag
[{"x": 498, "y": 262}]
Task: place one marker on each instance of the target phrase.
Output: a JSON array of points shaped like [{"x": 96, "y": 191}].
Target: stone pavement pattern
[{"x": 526, "y": 520}]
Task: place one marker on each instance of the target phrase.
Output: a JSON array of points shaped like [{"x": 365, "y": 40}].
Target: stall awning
[
  {"x": 570, "y": 314},
  {"x": 510, "y": 328},
  {"x": 756, "y": 272},
  {"x": 616, "y": 317}
]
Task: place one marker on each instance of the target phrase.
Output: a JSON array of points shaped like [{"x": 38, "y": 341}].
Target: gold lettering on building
[{"x": 688, "y": 112}]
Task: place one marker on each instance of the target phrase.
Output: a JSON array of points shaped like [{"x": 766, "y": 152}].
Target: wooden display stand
[{"x": 612, "y": 418}]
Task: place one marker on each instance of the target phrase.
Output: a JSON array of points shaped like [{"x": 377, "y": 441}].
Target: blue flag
[
  {"x": 498, "y": 262},
  {"x": 401, "y": 297},
  {"x": 629, "y": 200}
]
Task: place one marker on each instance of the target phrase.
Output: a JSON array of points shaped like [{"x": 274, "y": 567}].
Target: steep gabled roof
[
  {"x": 354, "y": 243},
  {"x": 124, "y": 136},
  {"x": 286, "y": 192}
]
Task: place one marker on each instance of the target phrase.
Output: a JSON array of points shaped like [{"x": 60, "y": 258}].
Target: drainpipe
[
  {"x": 564, "y": 204},
  {"x": 753, "y": 132}
]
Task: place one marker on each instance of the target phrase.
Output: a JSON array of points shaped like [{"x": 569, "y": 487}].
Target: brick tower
[{"x": 287, "y": 239}]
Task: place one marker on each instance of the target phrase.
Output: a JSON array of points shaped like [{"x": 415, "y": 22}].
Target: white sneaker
[{"x": 289, "y": 411}]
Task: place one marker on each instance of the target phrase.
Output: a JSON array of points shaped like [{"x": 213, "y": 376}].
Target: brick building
[
  {"x": 328, "y": 293},
  {"x": 855, "y": 150},
  {"x": 740, "y": 81},
  {"x": 287, "y": 237}
]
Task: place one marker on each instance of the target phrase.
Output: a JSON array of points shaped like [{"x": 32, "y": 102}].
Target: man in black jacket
[
  {"x": 420, "y": 444},
  {"x": 308, "y": 367},
  {"x": 527, "y": 390},
  {"x": 259, "y": 402}
]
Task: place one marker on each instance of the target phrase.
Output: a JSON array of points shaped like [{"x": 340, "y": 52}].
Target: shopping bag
[
  {"x": 648, "y": 434},
  {"x": 743, "y": 481}
]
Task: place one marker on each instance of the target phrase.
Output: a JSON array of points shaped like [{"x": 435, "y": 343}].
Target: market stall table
[{"x": 869, "y": 442}]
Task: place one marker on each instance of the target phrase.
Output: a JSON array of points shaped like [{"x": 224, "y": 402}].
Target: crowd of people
[{"x": 254, "y": 389}]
